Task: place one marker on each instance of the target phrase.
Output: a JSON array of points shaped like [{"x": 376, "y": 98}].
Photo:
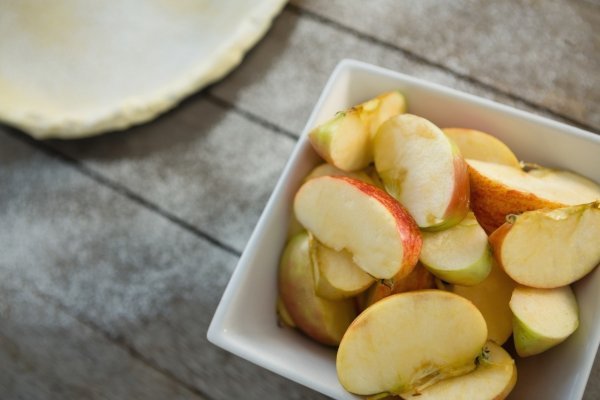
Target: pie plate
[
  {"x": 245, "y": 321},
  {"x": 74, "y": 68}
]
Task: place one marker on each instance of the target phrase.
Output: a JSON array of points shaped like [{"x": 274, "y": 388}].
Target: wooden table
[{"x": 115, "y": 250}]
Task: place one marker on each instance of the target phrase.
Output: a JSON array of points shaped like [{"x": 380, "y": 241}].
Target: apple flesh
[
  {"x": 460, "y": 254},
  {"x": 543, "y": 318},
  {"x": 336, "y": 275},
  {"x": 420, "y": 278},
  {"x": 423, "y": 170},
  {"x": 491, "y": 297},
  {"x": 549, "y": 248},
  {"x": 323, "y": 320},
  {"x": 408, "y": 341},
  {"x": 493, "y": 379},
  {"x": 345, "y": 140},
  {"x": 477, "y": 145},
  {"x": 499, "y": 190},
  {"x": 347, "y": 214}
]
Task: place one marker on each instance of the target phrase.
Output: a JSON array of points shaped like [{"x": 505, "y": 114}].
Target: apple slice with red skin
[
  {"x": 500, "y": 190},
  {"x": 323, "y": 320},
  {"x": 347, "y": 214},
  {"x": 493, "y": 379},
  {"x": 345, "y": 140},
  {"x": 408, "y": 341},
  {"x": 549, "y": 248},
  {"x": 423, "y": 170}
]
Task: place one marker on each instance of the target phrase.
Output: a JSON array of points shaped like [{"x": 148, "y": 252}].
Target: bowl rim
[{"x": 217, "y": 332}]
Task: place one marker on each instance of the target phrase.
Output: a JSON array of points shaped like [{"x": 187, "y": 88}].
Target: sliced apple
[
  {"x": 549, "y": 248},
  {"x": 336, "y": 275},
  {"x": 347, "y": 214},
  {"x": 543, "y": 318},
  {"x": 482, "y": 146},
  {"x": 493, "y": 379},
  {"x": 323, "y": 320},
  {"x": 345, "y": 140},
  {"x": 423, "y": 170},
  {"x": 491, "y": 297},
  {"x": 499, "y": 190},
  {"x": 460, "y": 254},
  {"x": 408, "y": 341},
  {"x": 326, "y": 169},
  {"x": 420, "y": 278}
]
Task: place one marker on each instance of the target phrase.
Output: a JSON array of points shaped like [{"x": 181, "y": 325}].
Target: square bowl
[{"x": 245, "y": 321}]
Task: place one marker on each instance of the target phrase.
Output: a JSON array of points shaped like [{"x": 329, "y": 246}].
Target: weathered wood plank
[
  {"x": 282, "y": 78},
  {"x": 204, "y": 164},
  {"x": 122, "y": 269},
  {"x": 47, "y": 354},
  {"x": 547, "y": 52}
]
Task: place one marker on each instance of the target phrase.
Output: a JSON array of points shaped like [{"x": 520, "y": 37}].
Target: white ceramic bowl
[{"x": 245, "y": 321}]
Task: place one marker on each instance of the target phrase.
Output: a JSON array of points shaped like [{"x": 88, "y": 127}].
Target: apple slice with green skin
[
  {"x": 460, "y": 254},
  {"x": 408, "y": 341},
  {"x": 336, "y": 275},
  {"x": 499, "y": 190},
  {"x": 482, "y": 146},
  {"x": 423, "y": 170},
  {"x": 549, "y": 248},
  {"x": 491, "y": 297},
  {"x": 345, "y": 140},
  {"x": 347, "y": 214},
  {"x": 323, "y": 320},
  {"x": 493, "y": 379},
  {"x": 543, "y": 318},
  {"x": 420, "y": 278}
]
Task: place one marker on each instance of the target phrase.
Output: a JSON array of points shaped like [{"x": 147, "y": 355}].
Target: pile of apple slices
[{"x": 408, "y": 234}]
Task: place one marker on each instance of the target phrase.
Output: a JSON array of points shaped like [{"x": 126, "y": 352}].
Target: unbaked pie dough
[{"x": 74, "y": 68}]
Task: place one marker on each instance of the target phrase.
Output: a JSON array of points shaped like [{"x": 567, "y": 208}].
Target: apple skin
[
  {"x": 323, "y": 320},
  {"x": 406, "y": 225},
  {"x": 492, "y": 202},
  {"x": 460, "y": 202},
  {"x": 407, "y": 229},
  {"x": 392, "y": 135}
]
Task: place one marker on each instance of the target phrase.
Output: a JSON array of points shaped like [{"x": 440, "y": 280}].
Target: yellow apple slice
[
  {"x": 423, "y": 170},
  {"x": 482, "y": 146},
  {"x": 549, "y": 248},
  {"x": 543, "y": 318},
  {"x": 493, "y": 379},
  {"x": 345, "y": 140},
  {"x": 460, "y": 254},
  {"x": 323, "y": 320},
  {"x": 491, "y": 297},
  {"x": 420, "y": 278},
  {"x": 408, "y": 341},
  {"x": 336, "y": 275},
  {"x": 499, "y": 190},
  {"x": 347, "y": 214}
]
